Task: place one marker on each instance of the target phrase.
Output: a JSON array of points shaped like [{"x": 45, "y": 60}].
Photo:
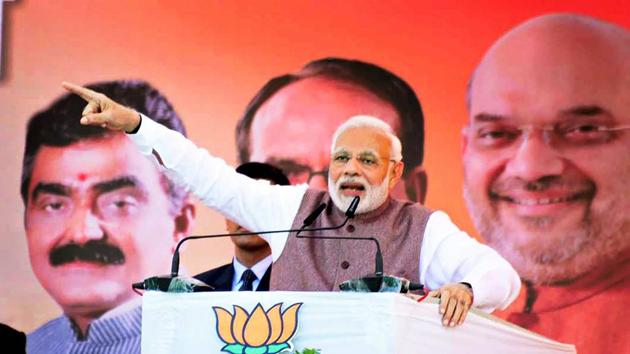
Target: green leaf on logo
[
  {"x": 256, "y": 350},
  {"x": 276, "y": 348},
  {"x": 234, "y": 348}
]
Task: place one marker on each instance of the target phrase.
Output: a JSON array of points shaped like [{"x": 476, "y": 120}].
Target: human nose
[
  {"x": 352, "y": 167},
  {"x": 84, "y": 226},
  {"x": 534, "y": 157}
]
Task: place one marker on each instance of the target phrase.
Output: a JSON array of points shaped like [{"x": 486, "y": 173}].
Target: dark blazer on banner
[{"x": 220, "y": 278}]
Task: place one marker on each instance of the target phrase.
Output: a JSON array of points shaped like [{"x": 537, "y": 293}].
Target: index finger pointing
[{"x": 85, "y": 93}]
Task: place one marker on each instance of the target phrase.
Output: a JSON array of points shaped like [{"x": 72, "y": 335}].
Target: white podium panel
[{"x": 334, "y": 323}]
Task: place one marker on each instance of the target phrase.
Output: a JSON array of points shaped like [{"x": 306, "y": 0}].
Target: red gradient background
[{"x": 210, "y": 57}]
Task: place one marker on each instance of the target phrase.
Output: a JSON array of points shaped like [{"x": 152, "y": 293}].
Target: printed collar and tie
[
  {"x": 258, "y": 270},
  {"x": 247, "y": 280}
]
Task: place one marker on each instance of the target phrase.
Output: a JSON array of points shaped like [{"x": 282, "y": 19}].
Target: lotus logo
[{"x": 261, "y": 332}]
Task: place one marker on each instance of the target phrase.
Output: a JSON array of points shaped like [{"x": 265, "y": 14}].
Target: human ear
[
  {"x": 396, "y": 174},
  {"x": 416, "y": 185},
  {"x": 184, "y": 221}
]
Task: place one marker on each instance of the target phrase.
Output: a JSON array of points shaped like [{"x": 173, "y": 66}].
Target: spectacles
[
  {"x": 298, "y": 173},
  {"x": 367, "y": 160},
  {"x": 563, "y": 136}
]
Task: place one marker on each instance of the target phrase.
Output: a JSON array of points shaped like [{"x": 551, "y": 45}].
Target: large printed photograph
[{"x": 513, "y": 119}]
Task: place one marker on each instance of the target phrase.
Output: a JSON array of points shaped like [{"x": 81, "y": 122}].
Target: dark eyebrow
[
  {"x": 487, "y": 117},
  {"x": 118, "y": 183},
  {"x": 50, "y": 188},
  {"x": 587, "y": 110}
]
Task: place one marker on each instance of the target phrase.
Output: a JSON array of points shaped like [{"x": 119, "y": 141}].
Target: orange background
[{"x": 210, "y": 57}]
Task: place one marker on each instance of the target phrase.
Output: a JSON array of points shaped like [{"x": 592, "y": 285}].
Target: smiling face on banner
[{"x": 547, "y": 162}]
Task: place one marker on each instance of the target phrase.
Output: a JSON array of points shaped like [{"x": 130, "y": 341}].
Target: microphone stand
[
  {"x": 310, "y": 218},
  {"x": 373, "y": 281},
  {"x": 165, "y": 283}
]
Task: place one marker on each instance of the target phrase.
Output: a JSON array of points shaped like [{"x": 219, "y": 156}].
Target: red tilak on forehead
[{"x": 82, "y": 176}]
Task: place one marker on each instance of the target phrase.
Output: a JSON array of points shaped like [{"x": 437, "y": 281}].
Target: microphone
[
  {"x": 352, "y": 208},
  {"x": 381, "y": 284},
  {"x": 171, "y": 284},
  {"x": 313, "y": 215},
  {"x": 376, "y": 282},
  {"x": 175, "y": 283},
  {"x": 350, "y": 213}
]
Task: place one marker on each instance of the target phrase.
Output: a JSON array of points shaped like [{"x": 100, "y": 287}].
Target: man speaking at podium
[{"x": 418, "y": 244}]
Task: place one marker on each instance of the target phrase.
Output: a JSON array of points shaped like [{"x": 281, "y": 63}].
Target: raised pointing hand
[{"x": 103, "y": 111}]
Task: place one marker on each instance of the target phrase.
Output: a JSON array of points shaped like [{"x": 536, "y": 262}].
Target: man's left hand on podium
[{"x": 455, "y": 301}]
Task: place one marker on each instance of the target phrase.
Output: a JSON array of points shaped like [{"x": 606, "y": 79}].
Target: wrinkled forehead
[
  {"x": 539, "y": 72},
  {"x": 359, "y": 140}
]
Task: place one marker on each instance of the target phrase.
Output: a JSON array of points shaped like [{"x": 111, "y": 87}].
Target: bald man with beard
[{"x": 547, "y": 168}]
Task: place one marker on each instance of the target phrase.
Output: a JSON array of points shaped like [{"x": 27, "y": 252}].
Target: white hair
[{"x": 370, "y": 122}]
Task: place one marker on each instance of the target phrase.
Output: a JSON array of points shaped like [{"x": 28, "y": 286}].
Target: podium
[{"x": 333, "y": 323}]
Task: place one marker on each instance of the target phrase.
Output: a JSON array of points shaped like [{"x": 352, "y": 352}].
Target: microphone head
[
  {"x": 313, "y": 215},
  {"x": 353, "y": 207},
  {"x": 175, "y": 264},
  {"x": 169, "y": 284}
]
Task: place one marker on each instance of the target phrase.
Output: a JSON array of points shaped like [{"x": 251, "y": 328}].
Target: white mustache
[{"x": 359, "y": 180}]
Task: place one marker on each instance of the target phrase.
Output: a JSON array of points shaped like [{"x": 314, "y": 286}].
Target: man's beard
[
  {"x": 373, "y": 197},
  {"x": 598, "y": 240}
]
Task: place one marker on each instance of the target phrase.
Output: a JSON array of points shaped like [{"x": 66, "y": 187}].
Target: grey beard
[
  {"x": 374, "y": 197},
  {"x": 599, "y": 240}
]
